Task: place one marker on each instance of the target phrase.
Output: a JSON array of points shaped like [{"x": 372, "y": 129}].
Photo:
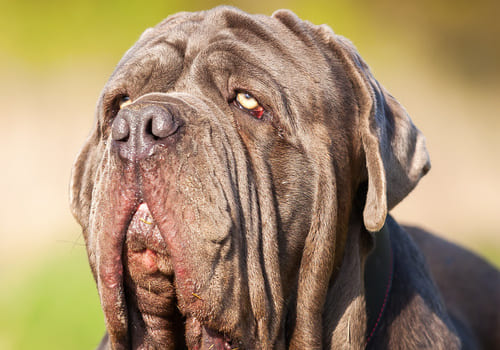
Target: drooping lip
[
  {"x": 110, "y": 225},
  {"x": 139, "y": 235}
]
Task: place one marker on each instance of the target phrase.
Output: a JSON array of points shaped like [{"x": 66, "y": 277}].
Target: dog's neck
[
  {"x": 378, "y": 273},
  {"x": 347, "y": 322}
]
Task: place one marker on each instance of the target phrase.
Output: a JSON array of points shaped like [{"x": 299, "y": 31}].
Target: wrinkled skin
[
  {"x": 230, "y": 230},
  {"x": 210, "y": 189}
]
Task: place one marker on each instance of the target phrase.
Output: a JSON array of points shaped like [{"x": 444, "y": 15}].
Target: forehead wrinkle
[
  {"x": 163, "y": 45},
  {"x": 285, "y": 42},
  {"x": 233, "y": 24},
  {"x": 155, "y": 68},
  {"x": 238, "y": 21}
]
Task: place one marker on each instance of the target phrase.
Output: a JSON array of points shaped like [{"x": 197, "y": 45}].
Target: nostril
[
  {"x": 120, "y": 129},
  {"x": 149, "y": 129},
  {"x": 162, "y": 125}
]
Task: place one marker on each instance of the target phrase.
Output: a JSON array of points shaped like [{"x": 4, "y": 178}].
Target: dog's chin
[
  {"x": 151, "y": 295},
  {"x": 200, "y": 337}
]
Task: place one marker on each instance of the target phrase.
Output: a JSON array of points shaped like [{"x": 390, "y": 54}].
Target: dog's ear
[
  {"x": 81, "y": 183},
  {"x": 394, "y": 149},
  {"x": 395, "y": 152}
]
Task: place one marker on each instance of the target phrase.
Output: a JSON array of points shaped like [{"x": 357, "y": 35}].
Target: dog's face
[{"x": 216, "y": 188}]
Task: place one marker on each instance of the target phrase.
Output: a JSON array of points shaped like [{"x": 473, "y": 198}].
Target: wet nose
[{"x": 137, "y": 130}]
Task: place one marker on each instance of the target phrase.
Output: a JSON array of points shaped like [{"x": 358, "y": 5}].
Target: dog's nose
[{"x": 137, "y": 130}]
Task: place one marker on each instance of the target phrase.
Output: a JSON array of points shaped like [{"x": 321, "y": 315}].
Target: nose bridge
[
  {"x": 138, "y": 129},
  {"x": 132, "y": 121}
]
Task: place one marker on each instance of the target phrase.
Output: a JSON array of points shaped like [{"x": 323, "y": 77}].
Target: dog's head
[{"x": 216, "y": 187}]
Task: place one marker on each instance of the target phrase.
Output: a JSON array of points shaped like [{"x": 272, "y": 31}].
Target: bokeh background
[{"x": 441, "y": 59}]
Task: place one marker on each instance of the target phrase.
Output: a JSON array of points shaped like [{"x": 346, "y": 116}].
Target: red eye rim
[{"x": 257, "y": 112}]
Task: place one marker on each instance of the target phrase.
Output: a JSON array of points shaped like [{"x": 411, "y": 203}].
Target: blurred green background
[{"x": 439, "y": 58}]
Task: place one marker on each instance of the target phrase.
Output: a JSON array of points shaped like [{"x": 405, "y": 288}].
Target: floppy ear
[{"x": 395, "y": 152}]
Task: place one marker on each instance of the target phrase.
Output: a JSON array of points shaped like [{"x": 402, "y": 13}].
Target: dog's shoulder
[{"x": 469, "y": 285}]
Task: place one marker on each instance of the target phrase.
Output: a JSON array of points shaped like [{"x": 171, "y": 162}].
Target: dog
[{"x": 234, "y": 193}]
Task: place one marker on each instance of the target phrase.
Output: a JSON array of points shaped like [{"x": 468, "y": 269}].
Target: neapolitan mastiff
[{"x": 234, "y": 194}]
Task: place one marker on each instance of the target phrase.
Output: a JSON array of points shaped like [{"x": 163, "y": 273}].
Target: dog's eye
[
  {"x": 124, "y": 101},
  {"x": 249, "y": 104},
  {"x": 247, "y": 101}
]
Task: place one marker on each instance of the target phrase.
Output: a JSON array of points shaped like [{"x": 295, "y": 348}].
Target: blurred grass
[{"x": 53, "y": 305}]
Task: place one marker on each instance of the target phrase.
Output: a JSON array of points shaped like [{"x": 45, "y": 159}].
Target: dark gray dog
[{"x": 234, "y": 194}]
